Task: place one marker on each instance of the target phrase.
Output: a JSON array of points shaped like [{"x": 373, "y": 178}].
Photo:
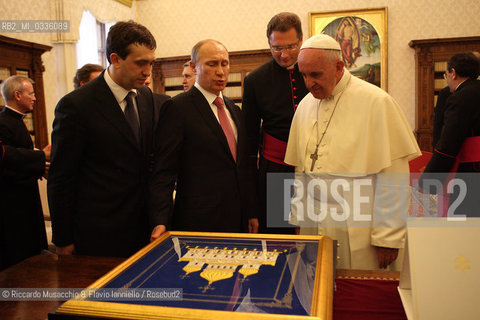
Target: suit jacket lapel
[
  {"x": 109, "y": 108},
  {"x": 202, "y": 105}
]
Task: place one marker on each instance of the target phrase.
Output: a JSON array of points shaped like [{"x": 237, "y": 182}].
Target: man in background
[
  {"x": 158, "y": 100},
  {"x": 188, "y": 76},
  {"x": 86, "y": 74},
  {"x": 22, "y": 227},
  {"x": 458, "y": 146},
  {"x": 271, "y": 95},
  {"x": 440, "y": 108},
  {"x": 101, "y": 154},
  {"x": 346, "y": 133},
  {"x": 202, "y": 146},
  {"x": 439, "y": 113}
]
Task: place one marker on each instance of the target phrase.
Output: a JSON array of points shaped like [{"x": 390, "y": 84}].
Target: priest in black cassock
[
  {"x": 271, "y": 95},
  {"x": 22, "y": 228}
]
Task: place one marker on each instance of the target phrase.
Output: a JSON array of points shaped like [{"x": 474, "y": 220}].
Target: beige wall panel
[{"x": 240, "y": 25}]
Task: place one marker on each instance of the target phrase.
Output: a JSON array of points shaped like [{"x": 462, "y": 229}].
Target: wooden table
[{"x": 48, "y": 270}]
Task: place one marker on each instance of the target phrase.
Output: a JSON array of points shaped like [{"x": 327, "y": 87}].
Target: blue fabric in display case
[{"x": 202, "y": 276}]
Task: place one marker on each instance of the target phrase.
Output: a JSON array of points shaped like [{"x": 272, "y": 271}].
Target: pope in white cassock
[{"x": 350, "y": 144}]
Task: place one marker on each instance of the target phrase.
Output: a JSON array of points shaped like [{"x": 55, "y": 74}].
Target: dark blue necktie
[{"x": 131, "y": 116}]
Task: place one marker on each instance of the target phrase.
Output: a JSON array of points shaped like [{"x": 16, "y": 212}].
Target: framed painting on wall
[
  {"x": 362, "y": 35},
  {"x": 192, "y": 275}
]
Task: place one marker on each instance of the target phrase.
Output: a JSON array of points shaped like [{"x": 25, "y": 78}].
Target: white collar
[
  {"x": 207, "y": 94},
  {"x": 118, "y": 91},
  {"x": 459, "y": 85},
  {"x": 342, "y": 84}
]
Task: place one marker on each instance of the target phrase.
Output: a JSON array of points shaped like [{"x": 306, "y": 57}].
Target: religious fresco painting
[{"x": 362, "y": 35}]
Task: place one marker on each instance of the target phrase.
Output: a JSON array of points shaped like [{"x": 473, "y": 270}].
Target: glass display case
[{"x": 191, "y": 275}]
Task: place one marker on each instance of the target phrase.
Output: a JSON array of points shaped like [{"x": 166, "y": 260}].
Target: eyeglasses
[
  {"x": 289, "y": 47},
  {"x": 445, "y": 74}
]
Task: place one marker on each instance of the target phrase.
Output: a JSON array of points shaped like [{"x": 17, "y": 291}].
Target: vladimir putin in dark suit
[
  {"x": 101, "y": 147},
  {"x": 202, "y": 147}
]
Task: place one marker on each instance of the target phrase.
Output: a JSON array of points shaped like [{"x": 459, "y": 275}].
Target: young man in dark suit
[
  {"x": 202, "y": 146},
  {"x": 101, "y": 154},
  {"x": 22, "y": 228}
]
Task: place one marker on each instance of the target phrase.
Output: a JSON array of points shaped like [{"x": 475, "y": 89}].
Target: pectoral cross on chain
[{"x": 314, "y": 157}]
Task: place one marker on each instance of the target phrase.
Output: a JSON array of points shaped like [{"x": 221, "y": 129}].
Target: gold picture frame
[
  {"x": 362, "y": 35},
  {"x": 174, "y": 248}
]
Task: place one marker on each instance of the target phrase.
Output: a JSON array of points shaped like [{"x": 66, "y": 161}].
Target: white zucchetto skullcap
[{"x": 321, "y": 41}]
